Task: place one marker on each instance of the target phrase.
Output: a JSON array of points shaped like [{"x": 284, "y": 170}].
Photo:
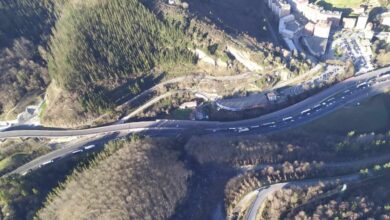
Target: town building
[
  {"x": 349, "y": 23},
  {"x": 298, "y": 5},
  {"x": 322, "y": 29},
  {"x": 309, "y": 28},
  {"x": 362, "y": 21},
  {"x": 369, "y": 26},
  {"x": 315, "y": 14},
  {"x": 284, "y": 29},
  {"x": 280, "y": 8},
  {"x": 385, "y": 19},
  {"x": 383, "y": 36}
]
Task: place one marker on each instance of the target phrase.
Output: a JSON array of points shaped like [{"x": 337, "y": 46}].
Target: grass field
[
  {"x": 344, "y": 3},
  {"x": 181, "y": 114},
  {"x": 372, "y": 115}
]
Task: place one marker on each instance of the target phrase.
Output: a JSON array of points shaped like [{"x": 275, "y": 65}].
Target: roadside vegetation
[
  {"x": 22, "y": 196},
  {"x": 260, "y": 161},
  {"x": 14, "y": 153},
  {"x": 381, "y": 51},
  {"x": 367, "y": 198}
]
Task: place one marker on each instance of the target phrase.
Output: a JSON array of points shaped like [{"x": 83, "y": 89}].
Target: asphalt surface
[
  {"x": 78, "y": 146},
  {"x": 318, "y": 105},
  {"x": 265, "y": 192},
  {"x": 312, "y": 108}
]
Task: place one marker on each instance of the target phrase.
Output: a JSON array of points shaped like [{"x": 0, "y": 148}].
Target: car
[
  {"x": 26, "y": 172},
  {"x": 240, "y": 130},
  {"x": 46, "y": 163},
  {"x": 77, "y": 151},
  {"x": 89, "y": 147},
  {"x": 268, "y": 123},
  {"x": 331, "y": 99},
  {"x": 287, "y": 118},
  {"x": 306, "y": 111},
  {"x": 361, "y": 85}
]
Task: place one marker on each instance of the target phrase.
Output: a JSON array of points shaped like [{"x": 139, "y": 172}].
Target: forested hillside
[
  {"x": 142, "y": 180},
  {"x": 20, "y": 74},
  {"x": 90, "y": 48},
  {"x": 25, "y": 25},
  {"x": 98, "y": 44},
  {"x": 105, "y": 40},
  {"x": 25, "y": 18}
]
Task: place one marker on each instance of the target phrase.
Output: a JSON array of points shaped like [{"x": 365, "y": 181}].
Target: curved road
[
  {"x": 325, "y": 102},
  {"x": 262, "y": 193},
  {"x": 315, "y": 106},
  {"x": 266, "y": 191}
]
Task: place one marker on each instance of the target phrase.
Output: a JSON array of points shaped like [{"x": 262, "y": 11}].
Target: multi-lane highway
[
  {"x": 317, "y": 105},
  {"x": 325, "y": 102}
]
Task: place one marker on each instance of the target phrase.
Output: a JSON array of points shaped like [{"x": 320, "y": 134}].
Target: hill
[
  {"x": 25, "y": 26},
  {"x": 99, "y": 45},
  {"x": 142, "y": 180}
]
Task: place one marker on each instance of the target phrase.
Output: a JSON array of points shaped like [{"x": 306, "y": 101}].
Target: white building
[
  {"x": 385, "y": 19},
  {"x": 322, "y": 29},
  {"x": 315, "y": 13},
  {"x": 362, "y": 22},
  {"x": 280, "y": 8},
  {"x": 349, "y": 23}
]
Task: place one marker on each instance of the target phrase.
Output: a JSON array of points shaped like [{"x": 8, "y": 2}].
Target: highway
[
  {"x": 78, "y": 146},
  {"x": 323, "y": 103},
  {"x": 318, "y": 105}
]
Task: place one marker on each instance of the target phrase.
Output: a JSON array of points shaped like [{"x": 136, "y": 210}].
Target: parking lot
[{"x": 357, "y": 48}]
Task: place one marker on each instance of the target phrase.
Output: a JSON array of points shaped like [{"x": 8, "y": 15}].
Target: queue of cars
[
  {"x": 318, "y": 107},
  {"x": 88, "y": 147}
]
